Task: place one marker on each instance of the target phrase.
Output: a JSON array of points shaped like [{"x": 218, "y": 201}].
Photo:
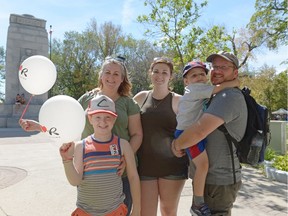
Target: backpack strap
[{"x": 229, "y": 139}]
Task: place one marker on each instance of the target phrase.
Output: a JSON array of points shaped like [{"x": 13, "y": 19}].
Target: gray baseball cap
[
  {"x": 226, "y": 55},
  {"x": 101, "y": 104}
]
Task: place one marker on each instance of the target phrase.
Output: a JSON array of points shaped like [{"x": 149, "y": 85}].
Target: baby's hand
[{"x": 237, "y": 82}]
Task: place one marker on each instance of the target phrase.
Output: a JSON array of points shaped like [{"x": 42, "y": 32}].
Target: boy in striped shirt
[{"x": 91, "y": 165}]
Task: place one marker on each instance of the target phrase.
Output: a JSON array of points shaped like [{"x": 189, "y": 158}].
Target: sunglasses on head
[
  {"x": 117, "y": 58},
  {"x": 168, "y": 60}
]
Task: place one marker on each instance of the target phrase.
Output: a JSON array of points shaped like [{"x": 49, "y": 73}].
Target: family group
[{"x": 136, "y": 152}]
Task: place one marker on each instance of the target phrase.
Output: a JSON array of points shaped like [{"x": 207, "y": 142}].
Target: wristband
[
  {"x": 43, "y": 128},
  {"x": 66, "y": 161}
]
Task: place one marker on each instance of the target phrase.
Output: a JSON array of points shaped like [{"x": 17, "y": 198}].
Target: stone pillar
[{"x": 27, "y": 36}]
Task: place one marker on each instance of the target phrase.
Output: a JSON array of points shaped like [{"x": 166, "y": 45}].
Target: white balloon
[
  {"x": 63, "y": 117},
  {"x": 37, "y": 74}
]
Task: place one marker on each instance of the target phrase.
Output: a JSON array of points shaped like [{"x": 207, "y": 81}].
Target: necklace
[{"x": 155, "y": 105}]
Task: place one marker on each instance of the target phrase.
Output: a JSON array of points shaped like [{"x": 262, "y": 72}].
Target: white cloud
[{"x": 127, "y": 12}]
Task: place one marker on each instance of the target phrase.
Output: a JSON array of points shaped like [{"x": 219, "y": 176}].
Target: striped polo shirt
[{"x": 101, "y": 190}]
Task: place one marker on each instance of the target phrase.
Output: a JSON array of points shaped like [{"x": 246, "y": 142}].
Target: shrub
[
  {"x": 281, "y": 162},
  {"x": 269, "y": 154}
]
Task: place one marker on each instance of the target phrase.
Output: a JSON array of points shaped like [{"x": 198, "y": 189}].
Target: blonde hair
[{"x": 125, "y": 87}]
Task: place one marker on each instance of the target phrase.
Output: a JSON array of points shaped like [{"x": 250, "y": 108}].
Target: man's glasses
[{"x": 221, "y": 68}]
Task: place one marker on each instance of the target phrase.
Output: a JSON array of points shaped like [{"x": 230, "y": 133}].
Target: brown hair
[
  {"x": 125, "y": 87},
  {"x": 164, "y": 60}
]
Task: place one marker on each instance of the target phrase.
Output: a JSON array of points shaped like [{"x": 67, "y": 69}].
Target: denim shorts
[{"x": 169, "y": 177}]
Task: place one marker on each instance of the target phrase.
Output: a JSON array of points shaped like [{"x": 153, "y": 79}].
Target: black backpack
[{"x": 251, "y": 149}]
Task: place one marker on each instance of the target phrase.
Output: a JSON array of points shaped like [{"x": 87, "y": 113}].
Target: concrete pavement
[{"x": 33, "y": 183}]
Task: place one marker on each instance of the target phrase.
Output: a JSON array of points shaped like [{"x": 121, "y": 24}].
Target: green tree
[
  {"x": 214, "y": 39},
  {"x": 269, "y": 23},
  {"x": 139, "y": 54},
  {"x": 107, "y": 38},
  {"x": 110, "y": 40},
  {"x": 172, "y": 23},
  {"x": 80, "y": 56},
  {"x": 280, "y": 91},
  {"x": 261, "y": 85},
  {"x": 268, "y": 88},
  {"x": 173, "y": 26},
  {"x": 76, "y": 64}
]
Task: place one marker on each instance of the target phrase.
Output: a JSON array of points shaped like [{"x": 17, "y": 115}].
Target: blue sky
[{"x": 67, "y": 15}]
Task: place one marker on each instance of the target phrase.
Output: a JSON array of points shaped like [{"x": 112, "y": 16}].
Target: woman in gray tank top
[{"x": 162, "y": 174}]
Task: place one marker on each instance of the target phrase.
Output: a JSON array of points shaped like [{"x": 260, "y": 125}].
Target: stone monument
[{"x": 27, "y": 36}]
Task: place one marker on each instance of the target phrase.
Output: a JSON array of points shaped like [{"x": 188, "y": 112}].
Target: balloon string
[{"x": 24, "y": 111}]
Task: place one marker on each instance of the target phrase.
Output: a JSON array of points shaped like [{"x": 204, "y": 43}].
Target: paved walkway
[{"x": 32, "y": 182}]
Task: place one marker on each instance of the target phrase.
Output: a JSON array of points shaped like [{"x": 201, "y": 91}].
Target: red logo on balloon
[{"x": 23, "y": 71}]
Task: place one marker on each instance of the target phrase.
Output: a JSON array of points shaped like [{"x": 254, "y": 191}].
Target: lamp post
[
  {"x": 50, "y": 52},
  {"x": 50, "y": 44}
]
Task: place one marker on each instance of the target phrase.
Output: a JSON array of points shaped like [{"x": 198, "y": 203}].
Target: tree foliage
[
  {"x": 172, "y": 27},
  {"x": 107, "y": 38},
  {"x": 76, "y": 64},
  {"x": 80, "y": 56},
  {"x": 172, "y": 24},
  {"x": 269, "y": 23},
  {"x": 139, "y": 54},
  {"x": 280, "y": 91},
  {"x": 268, "y": 87}
]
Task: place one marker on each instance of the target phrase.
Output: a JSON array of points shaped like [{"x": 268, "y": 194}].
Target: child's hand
[
  {"x": 121, "y": 167},
  {"x": 67, "y": 151},
  {"x": 29, "y": 125}
]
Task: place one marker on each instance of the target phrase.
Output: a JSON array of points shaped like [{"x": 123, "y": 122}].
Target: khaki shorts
[
  {"x": 220, "y": 198},
  {"x": 120, "y": 211}
]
